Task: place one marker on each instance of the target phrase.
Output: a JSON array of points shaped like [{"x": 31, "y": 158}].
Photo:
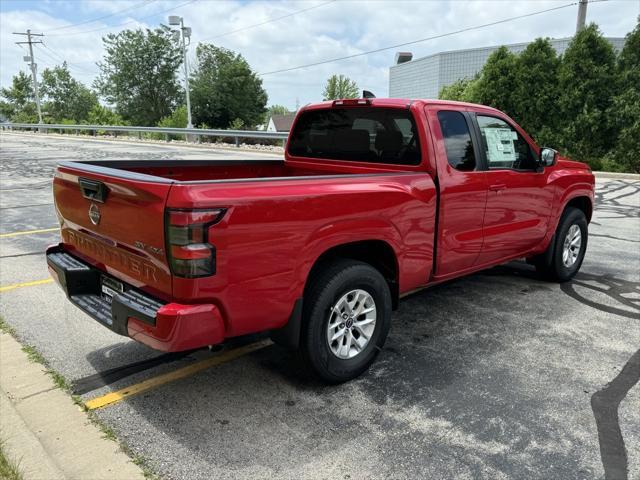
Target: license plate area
[{"x": 109, "y": 287}]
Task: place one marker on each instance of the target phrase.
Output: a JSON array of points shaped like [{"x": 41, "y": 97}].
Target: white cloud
[{"x": 340, "y": 28}]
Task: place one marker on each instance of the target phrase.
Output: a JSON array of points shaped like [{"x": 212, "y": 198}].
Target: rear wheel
[
  {"x": 565, "y": 253},
  {"x": 346, "y": 319}
]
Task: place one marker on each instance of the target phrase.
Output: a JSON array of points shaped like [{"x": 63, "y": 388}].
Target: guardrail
[{"x": 194, "y": 133}]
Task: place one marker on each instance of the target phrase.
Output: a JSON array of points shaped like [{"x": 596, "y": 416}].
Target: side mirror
[{"x": 548, "y": 157}]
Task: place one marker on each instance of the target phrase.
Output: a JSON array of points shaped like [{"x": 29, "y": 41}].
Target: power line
[
  {"x": 119, "y": 12},
  {"x": 48, "y": 63},
  {"x": 57, "y": 55},
  {"x": 434, "y": 37},
  {"x": 59, "y": 58},
  {"x": 274, "y": 19},
  {"x": 54, "y": 60},
  {"x": 125, "y": 23}
]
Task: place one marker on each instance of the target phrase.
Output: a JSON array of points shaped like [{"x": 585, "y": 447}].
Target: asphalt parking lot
[{"x": 497, "y": 375}]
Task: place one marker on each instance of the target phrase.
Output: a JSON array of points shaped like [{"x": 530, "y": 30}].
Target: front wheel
[
  {"x": 565, "y": 253},
  {"x": 346, "y": 318}
]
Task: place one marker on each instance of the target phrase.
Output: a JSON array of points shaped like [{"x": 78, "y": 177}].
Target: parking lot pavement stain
[{"x": 604, "y": 404}]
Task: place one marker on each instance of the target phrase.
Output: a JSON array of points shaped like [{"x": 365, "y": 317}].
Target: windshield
[{"x": 359, "y": 134}]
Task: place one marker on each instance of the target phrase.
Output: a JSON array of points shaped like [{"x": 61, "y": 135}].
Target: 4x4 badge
[{"x": 94, "y": 214}]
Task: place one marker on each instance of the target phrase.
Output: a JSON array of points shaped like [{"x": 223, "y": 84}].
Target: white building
[{"x": 280, "y": 123}]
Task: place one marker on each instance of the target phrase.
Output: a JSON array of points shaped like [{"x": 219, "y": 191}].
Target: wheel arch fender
[
  {"x": 376, "y": 241},
  {"x": 581, "y": 202},
  {"x": 579, "y": 198},
  {"x": 373, "y": 241},
  {"x": 579, "y": 195}
]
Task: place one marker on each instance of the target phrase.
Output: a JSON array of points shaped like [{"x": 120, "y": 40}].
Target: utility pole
[
  {"x": 185, "y": 32},
  {"x": 34, "y": 66},
  {"x": 582, "y": 15}
]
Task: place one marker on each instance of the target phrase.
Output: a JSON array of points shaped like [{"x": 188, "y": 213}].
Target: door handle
[
  {"x": 497, "y": 187},
  {"x": 93, "y": 189}
]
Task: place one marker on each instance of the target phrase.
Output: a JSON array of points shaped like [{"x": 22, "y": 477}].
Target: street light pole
[{"x": 185, "y": 32}]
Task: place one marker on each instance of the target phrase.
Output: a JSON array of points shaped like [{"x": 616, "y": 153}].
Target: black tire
[
  {"x": 326, "y": 287},
  {"x": 550, "y": 264}
]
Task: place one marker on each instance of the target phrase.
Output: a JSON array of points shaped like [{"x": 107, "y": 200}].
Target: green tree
[
  {"x": 625, "y": 110},
  {"x": 274, "y": 110},
  {"x": 237, "y": 124},
  {"x": 587, "y": 82},
  {"x": 460, "y": 90},
  {"x": 65, "y": 97},
  {"x": 178, "y": 119},
  {"x": 497, "y": 84},
  {"x": 139, "y": 74},
  {"x": 340, "y": 86},
  {"x": 101, "y": 115},
  {"x": 225, "y": 89},
  {"x": 536, "y": 91},
  {"x": 18, "y": 104},
  {"x": 629, "y": 59},
  {"x": 277, "y": 110}
]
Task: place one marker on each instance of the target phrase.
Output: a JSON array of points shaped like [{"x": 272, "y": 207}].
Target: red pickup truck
[{"x": 375, "y": 198}]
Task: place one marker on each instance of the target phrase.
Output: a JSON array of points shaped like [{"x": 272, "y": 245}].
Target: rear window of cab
[{"x": 357, "y": 134}]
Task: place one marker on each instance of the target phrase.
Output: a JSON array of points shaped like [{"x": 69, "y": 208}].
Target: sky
[{"x": 312, "y": 31}]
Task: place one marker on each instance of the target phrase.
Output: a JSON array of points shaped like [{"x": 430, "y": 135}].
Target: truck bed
[{"x": 200, "y": 170}]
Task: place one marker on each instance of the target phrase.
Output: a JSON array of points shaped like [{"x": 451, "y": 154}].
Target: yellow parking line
[
  {"x": 28, "y": 232},
  {"x": 25, "y": 284},
  {"x": 118, "y": 396}
]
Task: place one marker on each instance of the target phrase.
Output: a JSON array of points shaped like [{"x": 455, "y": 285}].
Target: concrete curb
[
  {"x": 626, "y": 176},
  {"x": 50, "y": 436}
]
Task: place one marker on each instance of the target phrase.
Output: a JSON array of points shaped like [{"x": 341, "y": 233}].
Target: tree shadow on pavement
[
  {"x": 624, "y": 293},
  {"x": 608, "y": 199},
  {"x": 604, "y": 404}
]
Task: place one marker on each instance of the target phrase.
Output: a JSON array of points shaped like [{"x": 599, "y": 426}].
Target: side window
[
  {"x": 504, "y": 146},
  {"x": 457, "y": 140}
]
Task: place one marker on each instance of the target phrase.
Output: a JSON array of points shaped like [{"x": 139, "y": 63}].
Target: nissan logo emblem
[{"x": 94, "y": 214}]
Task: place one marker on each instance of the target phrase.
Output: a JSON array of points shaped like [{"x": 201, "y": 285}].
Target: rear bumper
[{"x": 168, "y": 327}]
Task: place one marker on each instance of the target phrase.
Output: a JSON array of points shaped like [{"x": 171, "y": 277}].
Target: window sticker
[{"x": 500, "y": 145}]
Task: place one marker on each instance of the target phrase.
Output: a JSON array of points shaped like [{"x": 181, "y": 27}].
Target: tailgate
[{"x": 116, "y": 223}]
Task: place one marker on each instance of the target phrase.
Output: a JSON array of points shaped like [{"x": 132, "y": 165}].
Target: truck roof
[{"x": 401, "y": 102}]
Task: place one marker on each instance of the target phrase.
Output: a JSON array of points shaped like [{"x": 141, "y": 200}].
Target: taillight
[
  {"x": 190, "y": 251},
  {"x": 351, "y": 101}
]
